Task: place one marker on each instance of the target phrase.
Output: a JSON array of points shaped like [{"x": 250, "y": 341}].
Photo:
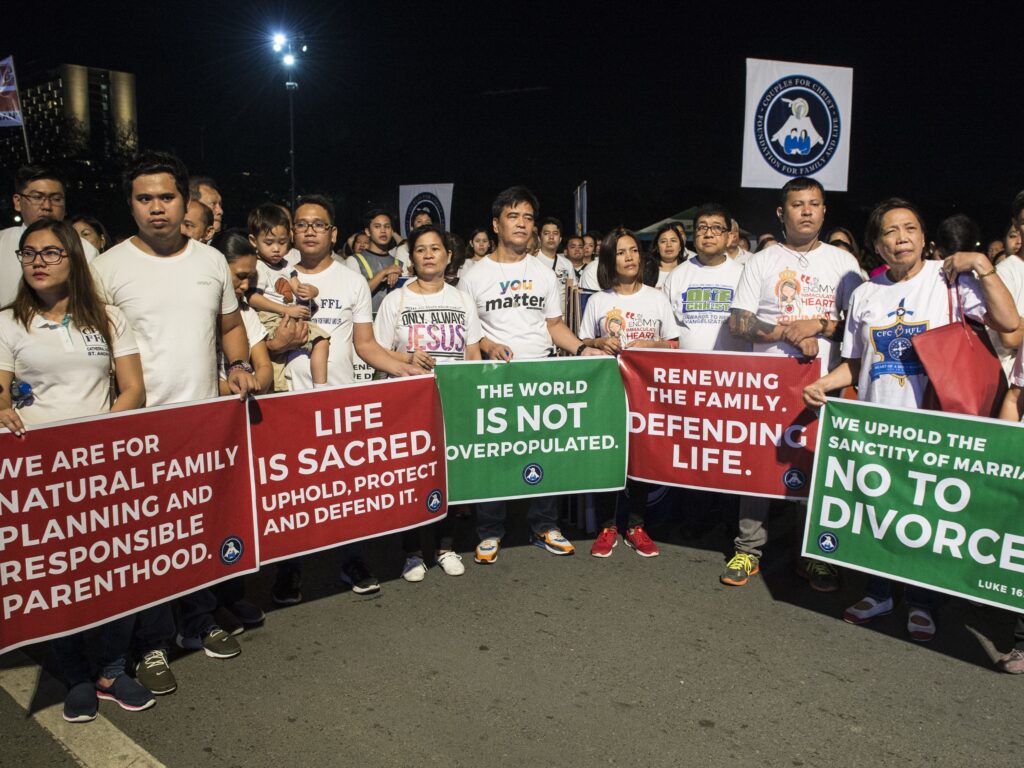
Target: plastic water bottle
[{"x": 21, "y": 394}]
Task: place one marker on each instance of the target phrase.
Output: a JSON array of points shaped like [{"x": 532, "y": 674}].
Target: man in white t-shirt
[
  {"x": 38, "y": 193},
  {"x": 550, "y": 232},
  {"x": 701, "y": 289},
  {"x": 789, "y": 302},
  {"x": 178, "y": 298},
  {"x": 574, "y": 254},
  {"x": 516, "y": 297},
  {"x": 342, "y": 308},
  {"x": 736, "y": 250}
]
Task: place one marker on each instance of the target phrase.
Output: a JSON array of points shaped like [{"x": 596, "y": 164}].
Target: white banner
[
  {"x": 435, "y": 199},
  {"x": 797, "y": 123}
]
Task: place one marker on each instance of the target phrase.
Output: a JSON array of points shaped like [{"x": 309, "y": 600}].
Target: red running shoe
[
  {"x": 605, "y": 542},
  {"x": 638, "y": 540}
]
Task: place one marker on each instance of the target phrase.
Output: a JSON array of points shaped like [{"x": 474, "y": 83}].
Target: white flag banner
[
  {"x": 435, "y": 199},
  {"x": 797, "y": 123}
]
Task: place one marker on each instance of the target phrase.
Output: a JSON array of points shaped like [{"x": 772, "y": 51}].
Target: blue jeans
[
  {"x": 115, "y": 638},
  {"x": 490, "y": 517}
]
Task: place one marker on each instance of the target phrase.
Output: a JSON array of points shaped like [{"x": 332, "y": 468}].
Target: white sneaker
[
  {"x": 415, "y": 569},
  {"x": 451, "y": 563}
]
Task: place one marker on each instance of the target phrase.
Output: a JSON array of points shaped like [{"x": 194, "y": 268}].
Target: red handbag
[{"x": 964, "y": 373}]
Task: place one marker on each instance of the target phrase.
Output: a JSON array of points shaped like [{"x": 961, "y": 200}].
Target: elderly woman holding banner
[
  {"x": 61, "y": 341},
  {"x": 911, "y": 291}
]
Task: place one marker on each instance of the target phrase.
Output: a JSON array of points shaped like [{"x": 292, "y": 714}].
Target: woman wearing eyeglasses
[{"x": 62, "y": 341}]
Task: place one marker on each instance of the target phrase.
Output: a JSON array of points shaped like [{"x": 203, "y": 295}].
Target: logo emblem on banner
[
  {"x": 828, "y": 543},
  {"x": 533, "y": 474},
  {"x": 434, "y": 500},
  {"x": 231, "y": 550},
  {"x": 429, "y": 202},
  {"x": 794, "y": 479},
  {"x": 797, "y": 126}
]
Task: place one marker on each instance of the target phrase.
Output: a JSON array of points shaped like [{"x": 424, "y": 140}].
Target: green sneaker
[
  {"x": 739, "y": 570},
  {"x": 154, "y": 672},
  {"x": 821, "y": 576}
]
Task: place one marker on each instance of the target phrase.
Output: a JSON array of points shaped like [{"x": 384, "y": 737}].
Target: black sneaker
[
  {"x": 287, "y": 588},
  {"x": 81, "y": 703},
  {"x": 216, "y": 643},
  {"x": 358, "y": 577},
  {"x": 154, "y": 672},
  {"x": 227, "y": 621},
  {"x": 127, "y": 693},
  {"x": 250, "y": 615}
]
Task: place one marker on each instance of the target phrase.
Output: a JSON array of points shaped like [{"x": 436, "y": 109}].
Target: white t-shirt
[
  {"x": 641, "y": 316},
  {"x": 742, "y": 257},
  {"x": 173, "y": 304},
  {"x": 588, "y": 280},
  {"x": 514, "y": 302},
  {"x": 1011, "y": 271},
  {"x": 344, "y": 299},
  {"x": 884, "y": 316},
  {"x": 254, "y": 330},
  {"x": 267, "y": 277},
  {"x": 10, "y": 266},
  {"x": 68, "y": 370},
  {"x": 563, "y": 270},
  {"x": 701, "y": 298},
  {"x": 780, "y": 286},
  {"x": 441, "y": 324}
]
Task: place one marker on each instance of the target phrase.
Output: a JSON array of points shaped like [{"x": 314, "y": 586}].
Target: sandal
[
  {"x": 920, "y": 625},
  {"x": 866, "y": 609}
]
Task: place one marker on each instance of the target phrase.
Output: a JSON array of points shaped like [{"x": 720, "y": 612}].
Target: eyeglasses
[
  {"x": 714, "y": 229},
  {"x": 317, "y": 226},
  {"x": 55, "y": 198},
  {"x": 49, "y": 255}
]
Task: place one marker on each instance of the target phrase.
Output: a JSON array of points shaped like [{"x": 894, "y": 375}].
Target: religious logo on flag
[
  {"x": 797, "y": 123},
  {"x": 433, "y": 199}
]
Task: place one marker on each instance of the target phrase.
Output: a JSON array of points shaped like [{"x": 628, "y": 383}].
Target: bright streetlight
[{"x": 282, "y": 42}]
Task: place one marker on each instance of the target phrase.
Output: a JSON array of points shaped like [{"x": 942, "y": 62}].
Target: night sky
[{"x": 645, "y": 102}]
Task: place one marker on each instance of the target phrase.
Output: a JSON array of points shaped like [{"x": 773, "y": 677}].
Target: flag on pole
[
  {"x": 579, "y": 199},
  {"x": 10, "y": 106},
  {"x": 797, "y": 123},
  {"x": 435, "y": 199}
]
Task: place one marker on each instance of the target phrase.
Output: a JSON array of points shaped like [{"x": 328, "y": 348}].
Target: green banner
[
  {"x": 927, "y": 498},
  {"x": 533, "y": 427}
]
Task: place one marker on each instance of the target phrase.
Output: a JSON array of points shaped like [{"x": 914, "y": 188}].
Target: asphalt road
[{"x": 574, "y": 661}]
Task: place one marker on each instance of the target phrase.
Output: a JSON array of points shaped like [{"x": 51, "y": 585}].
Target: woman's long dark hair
[
  {"x": 606, "y": 267},
  {"x": 84, "y": 305},
  {"x": 652, "y": 260}
]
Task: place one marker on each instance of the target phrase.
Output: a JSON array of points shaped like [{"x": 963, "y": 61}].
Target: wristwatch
[{"x": 244, "y": 365}]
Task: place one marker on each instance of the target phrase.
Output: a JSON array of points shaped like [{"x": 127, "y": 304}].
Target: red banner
[
  {"x": 338, "y": 465},
  {"x": 101, "y": 517},
  {"x": 720, "y": 421}
]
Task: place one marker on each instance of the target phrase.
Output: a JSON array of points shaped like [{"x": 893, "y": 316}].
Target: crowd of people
[{"x": 186, "y": 309}]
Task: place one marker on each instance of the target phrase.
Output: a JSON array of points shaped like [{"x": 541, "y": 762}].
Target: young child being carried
[{"x": 278, "y": 293}]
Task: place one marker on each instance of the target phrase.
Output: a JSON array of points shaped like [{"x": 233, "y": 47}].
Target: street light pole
[
  {"x": 291, "y": 86},
  {"x": 282, "y": 43}
]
